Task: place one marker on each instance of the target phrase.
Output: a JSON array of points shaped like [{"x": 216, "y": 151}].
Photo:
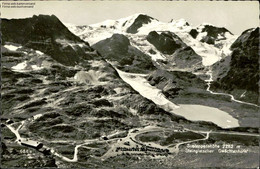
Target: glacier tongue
[
  {"x": 141, "y": 85},
  {"x": 189, "y": 111},
  {"x": 209, "y": 53}
]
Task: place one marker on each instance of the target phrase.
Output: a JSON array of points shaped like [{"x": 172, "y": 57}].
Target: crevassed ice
[
  {"x": 141, "y": 85},
  {"x": 209, "y": 53}
]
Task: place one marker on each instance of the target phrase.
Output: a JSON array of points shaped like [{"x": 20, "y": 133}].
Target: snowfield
[{"x": 210, "y": 54}]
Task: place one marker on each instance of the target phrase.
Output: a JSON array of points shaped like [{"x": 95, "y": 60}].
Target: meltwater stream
[{"x": 189, "y": 111}]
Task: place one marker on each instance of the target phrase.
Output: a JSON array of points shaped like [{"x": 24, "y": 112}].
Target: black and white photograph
[{"x": 130, "y": 84}]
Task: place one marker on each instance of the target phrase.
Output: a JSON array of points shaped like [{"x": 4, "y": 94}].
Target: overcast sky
[{"x": 236, "y": 16}]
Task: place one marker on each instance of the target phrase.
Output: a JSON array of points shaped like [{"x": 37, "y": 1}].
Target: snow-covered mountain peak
[
  {"x": 77, "y": 30},
  {"x": 206, "y": 23},
  {"x": 131, "y": 17},
  {"x": 124, "y": 23},
  {"x": 210, "y": 42},
  {"x": 180, "y": 22}
]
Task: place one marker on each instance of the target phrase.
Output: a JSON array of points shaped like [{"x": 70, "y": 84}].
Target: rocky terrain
[
  {"x": 238, "y": 74},
  {"x": 139, "y": 21},
  {"x": 130, "y": 59},
  {"x": 213, "y": 34},
  {"x": 123, "y": 99},
  {"x": 182, "y": 55},
  {"x": 48, "y": 35}
]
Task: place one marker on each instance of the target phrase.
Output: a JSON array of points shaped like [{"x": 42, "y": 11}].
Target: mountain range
[
  {"x": 76, "y": 83},
  {"x": 179, "y": 46}
]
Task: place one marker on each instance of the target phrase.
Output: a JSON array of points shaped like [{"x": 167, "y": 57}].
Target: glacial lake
[{"x": 189, "y": 111}]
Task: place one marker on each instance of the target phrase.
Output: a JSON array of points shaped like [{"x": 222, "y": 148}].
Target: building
[{"x": 31, "y": 143}]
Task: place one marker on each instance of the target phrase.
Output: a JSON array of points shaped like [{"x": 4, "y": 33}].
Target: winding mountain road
[{"x": 210, "y": 80}]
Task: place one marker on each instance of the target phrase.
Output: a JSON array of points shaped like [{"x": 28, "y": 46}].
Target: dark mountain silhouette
[
  {"x": 49, "y": 35},
  {"x": 166, "y": 42}
]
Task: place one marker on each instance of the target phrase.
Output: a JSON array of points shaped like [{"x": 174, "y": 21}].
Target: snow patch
[
  {"x": 25, "y": 67},
  {"x": 20, "y": 66},
  {"x": 89, "y": 77},
  {"x": 66, "y": 43},
  {"x": 12, "y": 47},
  {"x": 201, "y": 35},
  {"x": 133, "y": 111},
  {"x": 35, "y": 117},
  {"x": 39, "y": 52}
]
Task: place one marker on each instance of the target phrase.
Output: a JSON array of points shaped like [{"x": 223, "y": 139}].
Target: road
[
  {"x": 210, "y": 80},
  {"x": 119, "y": 142}
]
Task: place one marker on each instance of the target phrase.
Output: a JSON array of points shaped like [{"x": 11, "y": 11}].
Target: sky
[{"x": 236, "y": 16}]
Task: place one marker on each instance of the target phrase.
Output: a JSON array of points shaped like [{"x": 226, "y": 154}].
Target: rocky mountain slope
[
  {"x": 177, "y": 51},
  {"x": 174, "y": 82},
  {"x": 130, "y": 59},
  {"x": 48, "y": 35},
  {"x": 37, "y": 83},
  {"x": 139, "y": 21},
  {"x": 55, "y": 101},
  {"x": 210, "y": 34},
  {"x": 239, "y": 73}
]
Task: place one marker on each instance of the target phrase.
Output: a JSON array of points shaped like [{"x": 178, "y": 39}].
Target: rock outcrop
[
  {"x": 118, "y": 48},
  {"x": 138, "y": 23}
]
